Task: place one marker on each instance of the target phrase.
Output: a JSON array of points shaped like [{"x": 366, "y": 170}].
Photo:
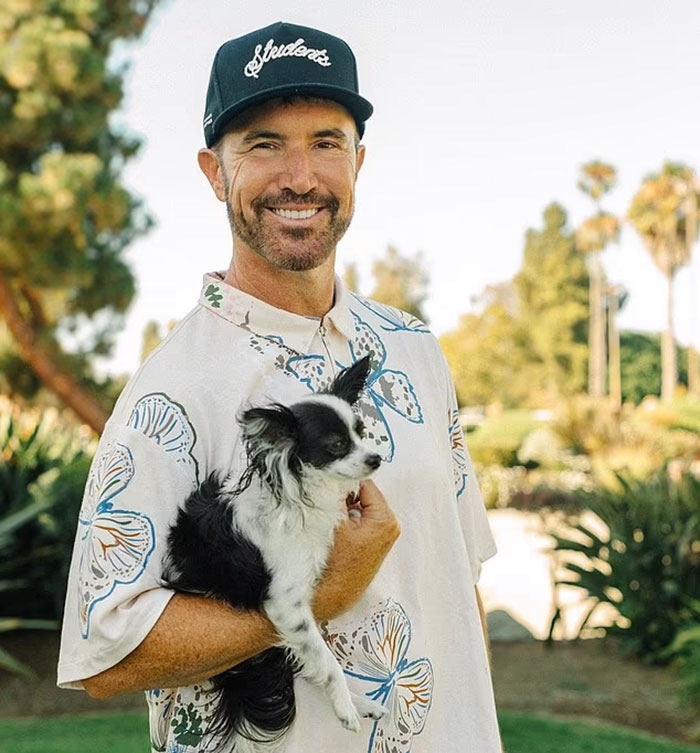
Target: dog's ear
[
  {"x": 268, "y": 427},
  {"x": 348, "y": 385}
]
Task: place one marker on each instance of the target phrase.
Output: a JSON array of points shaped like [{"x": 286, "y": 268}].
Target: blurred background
[{"x": 530, "y": 191}]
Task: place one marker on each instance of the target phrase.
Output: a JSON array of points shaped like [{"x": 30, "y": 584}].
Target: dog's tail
[{"x": 256, "y": 699}]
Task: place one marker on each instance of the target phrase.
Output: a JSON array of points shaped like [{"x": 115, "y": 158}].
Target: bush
[
  {"x": 44, "y": 467},
  {"x": 648, "y": 565},
  {"x": 497, "y": 442},
  {"x": 639, "y": 442},
  {"x": 685, "y": 651}
]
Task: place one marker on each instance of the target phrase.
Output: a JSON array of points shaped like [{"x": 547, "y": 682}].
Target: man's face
[{"x": 289, "y": 177}]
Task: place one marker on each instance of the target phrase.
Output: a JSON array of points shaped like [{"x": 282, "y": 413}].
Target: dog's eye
[{"x": 338, "y": 446}]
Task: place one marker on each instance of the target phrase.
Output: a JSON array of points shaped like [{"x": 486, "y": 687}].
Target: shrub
[
  {"x": 685, "y": 651},
  {"x": 648, "y": 564},
  {"x": 44, "y": 464},
  {"x": 497, "y": 442},
  {"x": 639, "y": 442}
]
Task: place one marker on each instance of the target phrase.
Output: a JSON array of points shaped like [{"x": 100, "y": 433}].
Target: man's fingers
[{"x": 370, "y": 494}]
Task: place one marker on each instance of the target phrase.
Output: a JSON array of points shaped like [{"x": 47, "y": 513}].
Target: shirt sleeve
[
  {"x": 142, "y": 472},
  {"x": 471, "y": 508}
]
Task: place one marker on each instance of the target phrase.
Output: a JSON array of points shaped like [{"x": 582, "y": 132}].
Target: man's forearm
[{"x": 194, "y": 639}]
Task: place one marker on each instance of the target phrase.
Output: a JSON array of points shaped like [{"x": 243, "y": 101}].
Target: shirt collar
[{"x": 262, "y": 319}]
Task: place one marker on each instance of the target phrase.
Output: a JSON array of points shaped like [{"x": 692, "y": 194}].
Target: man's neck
[{"x": 307, "y": 293}]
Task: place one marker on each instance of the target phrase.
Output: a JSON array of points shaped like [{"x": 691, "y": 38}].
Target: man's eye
[
  {"x": 264, "y": 145},
  {"x": 327, "y": 145}
]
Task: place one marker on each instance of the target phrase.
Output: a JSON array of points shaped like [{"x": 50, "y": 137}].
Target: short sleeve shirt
[{"x": 414, "y": 640}]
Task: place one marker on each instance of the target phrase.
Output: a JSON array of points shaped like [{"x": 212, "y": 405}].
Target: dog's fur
[{"x": 262, "y": 541}]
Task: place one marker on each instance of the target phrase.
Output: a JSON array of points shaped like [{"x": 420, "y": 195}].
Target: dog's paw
[
  {"x": 368, "y": 708},
  {"x": 350, "y": 721}
]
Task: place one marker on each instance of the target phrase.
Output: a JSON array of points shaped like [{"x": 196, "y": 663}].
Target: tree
[
  {"x": 64, "y": 216},
  {"x": 401, "y": 281},
  {"x": 615, "y": 296},
  {"x": 553, "y": 307},
  {"x": 489, "y": 352},
  {"x": 640, "y": 357},
  {"x": 594, "y": 234},
  {"x": 664, "y": 213},
  {"x": 526, "y": 345}
]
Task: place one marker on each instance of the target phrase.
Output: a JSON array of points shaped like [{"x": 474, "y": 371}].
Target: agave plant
[{"x": 647, "y": 565}]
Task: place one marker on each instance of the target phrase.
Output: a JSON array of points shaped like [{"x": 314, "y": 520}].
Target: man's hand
[{"x": 361, "y": 545}]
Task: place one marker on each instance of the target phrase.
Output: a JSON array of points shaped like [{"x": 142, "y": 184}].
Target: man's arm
[
  {"x": 484, "y": 624},
  {"x": 196, "y": 638}
]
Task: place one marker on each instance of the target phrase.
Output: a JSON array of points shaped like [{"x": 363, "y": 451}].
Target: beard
[{"x": 289, "y": 248}]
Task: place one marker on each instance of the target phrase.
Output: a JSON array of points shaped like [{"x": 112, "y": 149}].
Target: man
[{"x": 282, "y": 128}]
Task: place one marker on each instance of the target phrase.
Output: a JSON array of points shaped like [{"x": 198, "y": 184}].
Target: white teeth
[{"x": 293, "y": 214}]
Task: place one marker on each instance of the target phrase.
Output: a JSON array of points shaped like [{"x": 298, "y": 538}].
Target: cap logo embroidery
[{"x": 294, "y": 49}]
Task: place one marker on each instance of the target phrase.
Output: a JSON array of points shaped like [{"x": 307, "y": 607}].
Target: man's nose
[{"x": 297, "y": 173}]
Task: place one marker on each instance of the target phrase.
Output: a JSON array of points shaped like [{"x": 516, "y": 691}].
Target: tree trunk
[
  {"x": 596, "y": 335},
  {"x": 614, "y": 349},
  {"x": 669, "y": 367},
  {"x": 59, "y": 381}
]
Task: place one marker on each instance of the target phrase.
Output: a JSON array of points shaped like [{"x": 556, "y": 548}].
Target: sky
[{"x": 484, "y": 114}]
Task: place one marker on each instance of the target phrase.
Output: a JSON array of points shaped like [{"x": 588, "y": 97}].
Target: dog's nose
[{"x": 373, "y": 461}]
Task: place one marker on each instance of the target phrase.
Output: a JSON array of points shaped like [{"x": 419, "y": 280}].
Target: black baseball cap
[{"x": 277, "y": 61}]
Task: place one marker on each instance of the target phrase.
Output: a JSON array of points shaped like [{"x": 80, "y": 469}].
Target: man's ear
[
  {"x": 209, "y": 164},
  {"x": 267, "y": 428},
  {"x": 360, "y": 159},
  {"x": 348, "y": 385}
]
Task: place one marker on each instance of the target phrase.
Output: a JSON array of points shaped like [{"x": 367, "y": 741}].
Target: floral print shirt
[{"x": 414, "y": 641}]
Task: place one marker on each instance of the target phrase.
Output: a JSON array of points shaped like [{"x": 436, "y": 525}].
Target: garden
[{"x": 641, "y": 672}]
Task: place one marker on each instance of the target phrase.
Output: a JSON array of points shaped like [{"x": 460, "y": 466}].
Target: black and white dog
[{"x": 262, "y": 541}]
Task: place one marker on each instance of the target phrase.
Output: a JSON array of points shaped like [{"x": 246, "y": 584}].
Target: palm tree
[
  {"x": 593, "y": 235},
  {"x": 616, "y": 296},
  {"x": 664, "y": 213},
  {"x": 691, "y": 228}
]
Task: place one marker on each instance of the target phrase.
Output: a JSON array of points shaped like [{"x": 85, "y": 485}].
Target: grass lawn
[
  {"x": 526, "y": 733},
  {"x": 127, "y": 733}
]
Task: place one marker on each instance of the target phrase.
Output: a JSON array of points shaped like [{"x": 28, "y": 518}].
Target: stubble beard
[{"x": 289, "y": 248}]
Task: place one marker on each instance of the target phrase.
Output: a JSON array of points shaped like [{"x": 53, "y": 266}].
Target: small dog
[{"x": 262, "y": 543}]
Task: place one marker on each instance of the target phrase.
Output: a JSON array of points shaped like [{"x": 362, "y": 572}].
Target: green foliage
[
  {"x": 65, "y": 217},
  {"x": 499, "y": 439},
  {"x": 401, "y": 281},
  {"x": 488, "y": 352},
  {"x": 640, "y": 360},
  {"x": 686, "y": 415},
  {"x": 685, "y": 651},
  {"x": 597, "y": 178},
  {"x": 528, "y": 343},
  {"x": 43, "y": 471},
  {"x": 638, "y": 442},
  {"x": 648, "y": 564},
  {"x": 553, "y": 294},
  {"x": 665, "y": 214}
]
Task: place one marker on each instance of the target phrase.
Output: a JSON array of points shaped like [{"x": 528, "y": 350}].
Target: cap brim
[{"x": 357, "y": 106}]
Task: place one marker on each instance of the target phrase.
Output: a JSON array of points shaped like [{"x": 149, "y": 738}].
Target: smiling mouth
[{"x": 295, "y": 214}]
